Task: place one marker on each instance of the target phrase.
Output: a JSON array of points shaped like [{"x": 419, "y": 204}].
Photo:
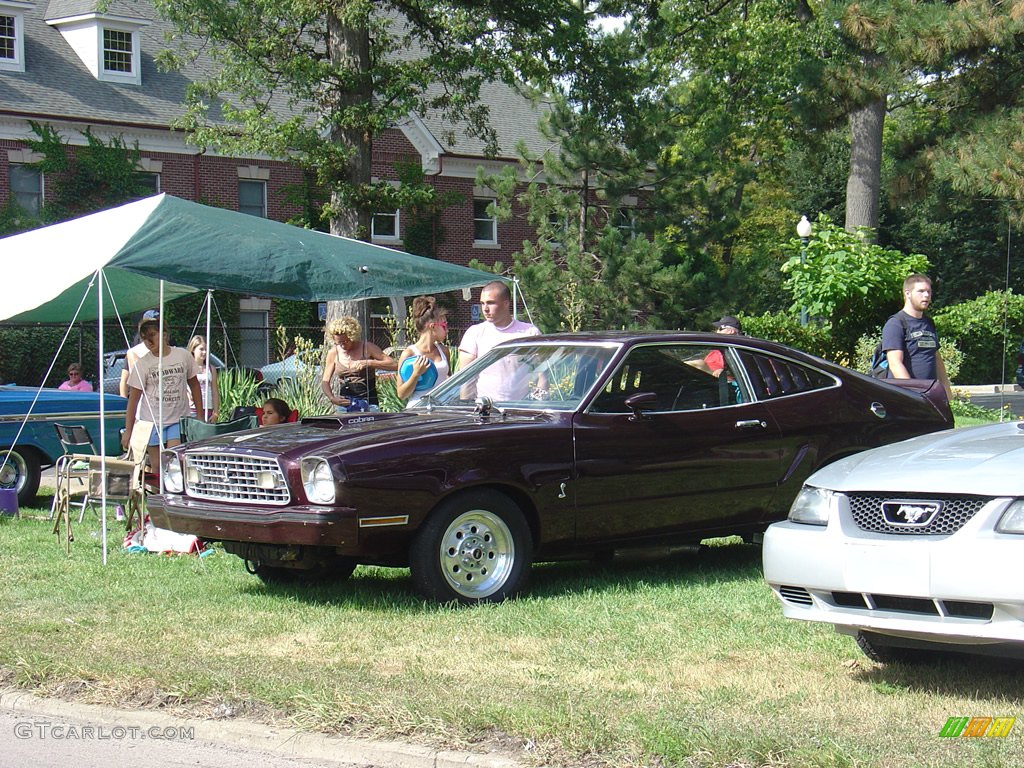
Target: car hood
[
  {"x": 336, "y": 435},
  {"x": 15, "y": 400},
  {"x": 983, "y": 460}
]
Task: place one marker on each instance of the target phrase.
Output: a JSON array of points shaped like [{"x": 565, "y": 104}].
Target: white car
[
  {"x": 288, "y": 368},
  {"x": 913, "y": 547}
]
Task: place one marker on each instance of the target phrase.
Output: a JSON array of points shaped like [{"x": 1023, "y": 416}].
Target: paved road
[{"x": 1014, "y": 399}]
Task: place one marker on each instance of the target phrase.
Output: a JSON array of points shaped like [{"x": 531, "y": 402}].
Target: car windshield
[{"x": 545, "y": 375}]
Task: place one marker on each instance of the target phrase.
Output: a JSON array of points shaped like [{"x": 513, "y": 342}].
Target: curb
[
  {"x": 986, "y": 389},
  {"x": 273, "y": 740}
]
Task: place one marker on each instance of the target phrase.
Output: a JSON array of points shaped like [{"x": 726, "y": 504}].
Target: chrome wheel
[
  {"x": 21, "y": 472},
  {"x": 476, "y": 547},
  {"x": 477, "y": 553}
]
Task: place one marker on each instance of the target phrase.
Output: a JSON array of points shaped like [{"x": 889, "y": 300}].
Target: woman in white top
[
  {"x": 431, "y": 323},
  {"x": 207, "y": 378}
]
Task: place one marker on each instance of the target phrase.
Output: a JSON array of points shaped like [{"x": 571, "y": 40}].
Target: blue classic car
[{"x": 26, "y": 446}]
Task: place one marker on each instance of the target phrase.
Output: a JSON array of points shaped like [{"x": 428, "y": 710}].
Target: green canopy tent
[
  {"x": 143, "y": 253},
  {"x": 191, "y": 247}
]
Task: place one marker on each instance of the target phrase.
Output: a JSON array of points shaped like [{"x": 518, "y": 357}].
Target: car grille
[
  {"x": 866, "y": 509},
  {"x": 923, "y": 606},
  {"x": 234, "y": 478},
  {"x": 796, "y": 595}
]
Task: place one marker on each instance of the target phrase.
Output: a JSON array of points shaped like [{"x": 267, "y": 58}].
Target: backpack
[{"x": 879, "y": 366}]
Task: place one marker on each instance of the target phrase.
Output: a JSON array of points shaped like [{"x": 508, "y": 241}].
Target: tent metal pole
[
  {"x": 207, "y": 413},
  {"x": 160, "y": 390},
  {"x": 103, "y": 414}
]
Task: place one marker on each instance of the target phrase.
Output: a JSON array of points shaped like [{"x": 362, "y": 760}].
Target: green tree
[
  {"x": 846, "y": 283},
  {"x": 80, "y": 180},
  {"x": 933, "y": 57},
  {"x": 315, "y": 81}
]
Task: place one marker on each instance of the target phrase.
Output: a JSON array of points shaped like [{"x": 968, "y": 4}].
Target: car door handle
[{"x": 751, "y": 424}]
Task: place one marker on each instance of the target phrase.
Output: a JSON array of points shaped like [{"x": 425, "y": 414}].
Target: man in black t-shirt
[{"x": 909, "y": 339}]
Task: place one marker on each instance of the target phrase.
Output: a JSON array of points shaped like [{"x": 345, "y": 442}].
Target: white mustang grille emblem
[{"x": 910, "y": 513}]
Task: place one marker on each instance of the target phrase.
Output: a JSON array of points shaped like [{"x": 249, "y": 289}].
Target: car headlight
[
  {"x": 318, "y": 480},
  {"x": 812, "y": 506},
  {"x": 173, "y": 480},
  {"x": 1012, "y": 520}
]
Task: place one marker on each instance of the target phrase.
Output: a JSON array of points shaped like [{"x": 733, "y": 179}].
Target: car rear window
[{"x": 776, "y": 377}]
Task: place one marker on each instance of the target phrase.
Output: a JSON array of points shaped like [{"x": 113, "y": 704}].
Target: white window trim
[
  {"x": 116, "y": 75},
  {"x": 17, "y": 64},
  {"x": 397, "y": 213},
  {"x": 493, "y": 241}
]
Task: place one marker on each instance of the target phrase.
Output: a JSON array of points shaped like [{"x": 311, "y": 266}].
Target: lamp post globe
[{"x": 803, "y": 231}]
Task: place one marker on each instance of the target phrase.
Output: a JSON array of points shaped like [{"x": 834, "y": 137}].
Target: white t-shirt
[
  {"x": 502, "y": 381},
  {"x": 178, "y": 367}
]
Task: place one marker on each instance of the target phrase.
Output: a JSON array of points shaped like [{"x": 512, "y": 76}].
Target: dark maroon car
[{"x": 549, "y": 448}]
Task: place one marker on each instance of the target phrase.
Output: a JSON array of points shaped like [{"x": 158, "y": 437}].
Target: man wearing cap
[{"x": 715, "y": 360}]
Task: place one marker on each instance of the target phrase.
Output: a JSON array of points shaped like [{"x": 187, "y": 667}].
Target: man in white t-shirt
[
  {"x": 498, "y": 383},
  {"x": 180, "y": 374}
]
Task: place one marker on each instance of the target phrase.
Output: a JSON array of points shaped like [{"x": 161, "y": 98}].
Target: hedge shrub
[{"x": 988, "y": 331}]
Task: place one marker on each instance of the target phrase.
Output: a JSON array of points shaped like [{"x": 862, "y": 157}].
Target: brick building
[{"x": 84, "y": 64}]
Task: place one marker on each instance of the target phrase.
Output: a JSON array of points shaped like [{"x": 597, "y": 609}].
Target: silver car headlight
[
  {"x": 173, "y": 479},
  {"x": 1012, "y": 520},
  {"x": 812, "y": 506},
  {"x": 317, "y": 480}
]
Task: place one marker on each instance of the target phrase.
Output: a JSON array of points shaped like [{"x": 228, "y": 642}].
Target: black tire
[
  {"x": 876, "y": 649},
  {"x": 474, "y": 548},
  {"x": 338, "y": 569},
  {"x": 21, "y": 471}
]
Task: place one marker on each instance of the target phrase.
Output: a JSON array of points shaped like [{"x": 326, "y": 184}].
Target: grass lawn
[{"x": 683, "y": 661}]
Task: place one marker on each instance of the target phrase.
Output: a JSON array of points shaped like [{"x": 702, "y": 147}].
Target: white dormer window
[
  {"x": 118, "y": 51},
  {"x": 110, "y": 46},
  {"x": 12, "y": 36}
]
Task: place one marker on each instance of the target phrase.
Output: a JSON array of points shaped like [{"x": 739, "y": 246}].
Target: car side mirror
[{"x": 640, "y": 402}]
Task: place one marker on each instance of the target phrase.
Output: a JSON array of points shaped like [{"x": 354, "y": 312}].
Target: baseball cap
[
  {"x": 151, "y": 314},
  {"x": 728, "y": 321}
]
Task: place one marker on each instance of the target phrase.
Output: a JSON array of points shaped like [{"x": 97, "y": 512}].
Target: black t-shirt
[{"x": 920, "y": 344}]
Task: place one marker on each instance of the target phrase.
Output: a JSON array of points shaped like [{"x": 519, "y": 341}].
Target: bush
[
  {"x": 236, "y": 387},
  {"x": 978, "y": 328},
  {"x": 304, "y": 393},
  {"x": 786, "y": 329},
  {"x": 952, "y": 357}
]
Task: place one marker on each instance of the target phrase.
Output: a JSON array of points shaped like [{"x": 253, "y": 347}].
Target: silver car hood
[{"x": 986, "y": 460}]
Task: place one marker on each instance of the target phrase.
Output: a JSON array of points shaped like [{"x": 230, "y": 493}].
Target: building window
[
  {"x": 254, "y": 338},
  {"x": 558, "y": 229},
  {"x": 485, "y": 226},
  {"x": 8, "y": 38},
  {"x": 27, "y": 188},
  {"x": 117, "y": 51},
  {"x": 625, "y": 222},
  {"x": 148, "y": 183},
  {"x": 384, "y": 226},
  {"x": 252, "y": 198},
  {"x": 12, "y": 41}
]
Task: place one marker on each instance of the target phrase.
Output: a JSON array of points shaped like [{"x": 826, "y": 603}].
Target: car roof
[{"x": 632, "y": 338}]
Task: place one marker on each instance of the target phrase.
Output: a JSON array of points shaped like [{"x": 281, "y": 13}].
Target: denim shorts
[{"x": 171, "y": 432}]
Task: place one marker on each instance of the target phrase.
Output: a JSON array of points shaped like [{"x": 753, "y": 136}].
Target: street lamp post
[{"x": 803, "y": 231}]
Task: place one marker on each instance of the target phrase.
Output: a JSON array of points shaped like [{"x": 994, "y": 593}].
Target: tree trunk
[
  {"x": 349, "y": 49},
  {"x": 864, "y": 184}
]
